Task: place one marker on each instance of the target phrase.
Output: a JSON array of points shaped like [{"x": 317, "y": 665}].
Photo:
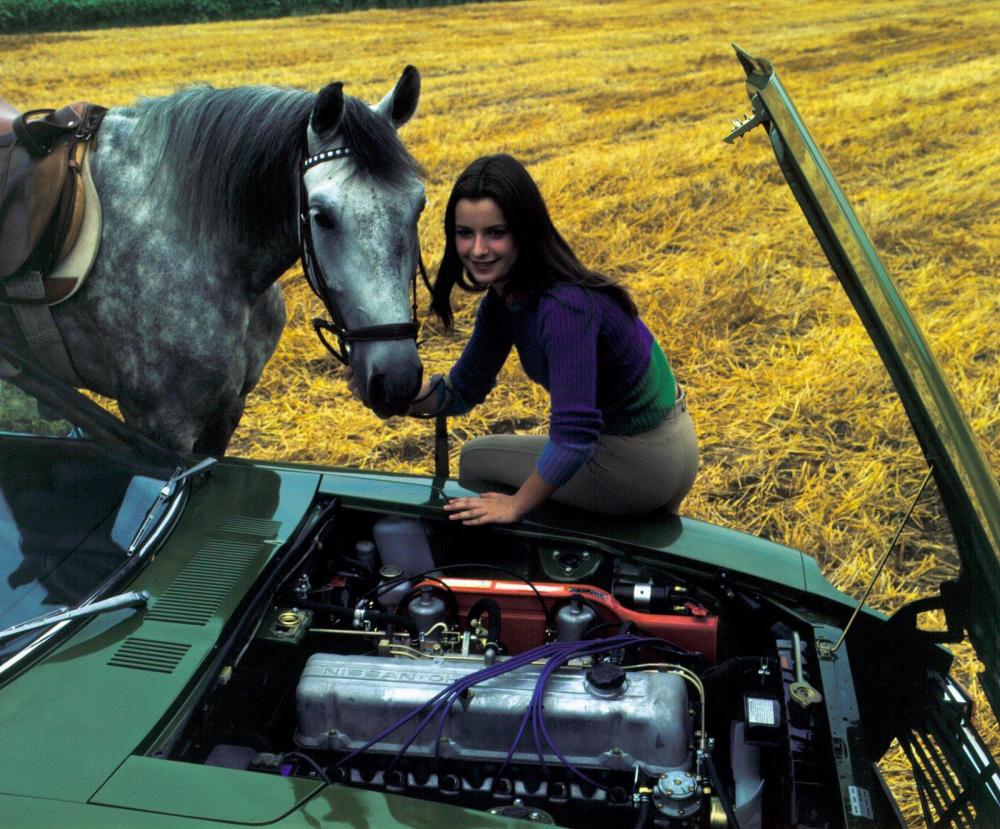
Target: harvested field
[{"x": 619, "y": 110}]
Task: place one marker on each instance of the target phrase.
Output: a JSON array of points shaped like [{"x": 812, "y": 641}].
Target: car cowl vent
[
  {"x": 196, "y": 593},
  {"x": 149, "y": 655},
  {"x": 263, "y": 527}
]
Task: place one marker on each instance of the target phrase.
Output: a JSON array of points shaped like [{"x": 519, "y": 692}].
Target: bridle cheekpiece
[{"x": 314, "y": 275}]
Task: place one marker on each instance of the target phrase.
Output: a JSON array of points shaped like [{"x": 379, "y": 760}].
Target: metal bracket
[
  {"x": 741, "y": 128},
  {"x": 825, "y": 649},
  {"x": 951, "y": 599}
]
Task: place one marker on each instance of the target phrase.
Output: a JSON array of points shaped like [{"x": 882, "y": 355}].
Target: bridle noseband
[{"x": 316, "y": 278}]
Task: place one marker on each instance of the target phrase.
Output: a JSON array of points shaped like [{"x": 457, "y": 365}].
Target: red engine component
[{"x": 523, "y": 623}]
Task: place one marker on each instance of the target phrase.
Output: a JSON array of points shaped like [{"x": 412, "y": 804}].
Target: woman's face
[{"x": 484, "y": 241}]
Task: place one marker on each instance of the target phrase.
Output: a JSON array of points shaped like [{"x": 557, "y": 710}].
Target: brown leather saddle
[{"x": 41, "y": 194}]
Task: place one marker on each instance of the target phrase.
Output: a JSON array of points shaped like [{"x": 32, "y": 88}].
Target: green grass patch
[{"x": 18, "y": 16}]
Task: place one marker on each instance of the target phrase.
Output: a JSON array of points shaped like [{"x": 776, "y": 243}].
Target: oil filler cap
[{"x": 606, "y": 676}]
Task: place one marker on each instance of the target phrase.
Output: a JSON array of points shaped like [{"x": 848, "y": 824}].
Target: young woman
[{"x": 620, "y": 438}]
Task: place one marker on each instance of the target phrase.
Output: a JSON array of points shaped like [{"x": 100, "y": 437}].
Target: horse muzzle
[{"x": 389, "y": 374}]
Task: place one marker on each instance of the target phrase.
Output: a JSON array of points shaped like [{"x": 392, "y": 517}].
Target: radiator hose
[{"x": 492, "y": 608}]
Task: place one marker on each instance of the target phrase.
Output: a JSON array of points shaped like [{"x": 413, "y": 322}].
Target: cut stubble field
[{"x": 619, "y": 108}]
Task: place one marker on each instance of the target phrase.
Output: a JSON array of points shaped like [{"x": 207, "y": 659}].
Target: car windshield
[{"x": 69, "y": 507}]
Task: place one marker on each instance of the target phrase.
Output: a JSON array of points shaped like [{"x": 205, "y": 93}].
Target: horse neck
[
  {"x": 264, "y": 260},
  {"x": 236, "y": 204}
]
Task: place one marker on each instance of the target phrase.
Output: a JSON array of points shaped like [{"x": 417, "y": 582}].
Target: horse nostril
[
  {"x": 376, "y": 391},
  {"x": 390, "y": 377}
]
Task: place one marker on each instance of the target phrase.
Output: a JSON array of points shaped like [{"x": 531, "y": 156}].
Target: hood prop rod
[{"x": 825, "y": 649}]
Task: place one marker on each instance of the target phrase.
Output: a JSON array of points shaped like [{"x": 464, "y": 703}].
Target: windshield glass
[{"x": 69, "y": 507}]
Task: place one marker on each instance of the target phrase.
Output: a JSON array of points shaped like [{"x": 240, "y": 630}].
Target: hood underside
[{"x": 964, "y": 479}]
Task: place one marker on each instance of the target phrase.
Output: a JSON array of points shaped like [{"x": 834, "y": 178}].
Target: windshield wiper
[
  {"x": 165, "y": 494},
  {"x": 136, "y": 598}
]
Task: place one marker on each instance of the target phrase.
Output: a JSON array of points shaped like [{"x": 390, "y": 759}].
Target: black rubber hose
[
  {"x": 393, "y": 619},
  {"x": 645, "y": 812},
  {"x": 727, "y": 804},
  {"x": 370, "y": 615},
  {"x": 325, "y": 607},
  {"x": 491, "y": 607},
  {"x": 618, "y": 657}
]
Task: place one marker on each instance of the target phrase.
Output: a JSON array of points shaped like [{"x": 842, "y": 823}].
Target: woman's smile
[
  {"x": 482, "y": 265},
  {"x": 484, "y": 241}
]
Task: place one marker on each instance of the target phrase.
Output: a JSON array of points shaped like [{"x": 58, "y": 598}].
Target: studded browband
[{"x": 326, "y": 155}]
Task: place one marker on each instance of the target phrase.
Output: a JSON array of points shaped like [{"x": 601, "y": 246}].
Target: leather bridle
[{"x": 314, "y": 275}]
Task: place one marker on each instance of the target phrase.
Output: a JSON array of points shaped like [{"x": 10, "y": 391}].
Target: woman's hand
[
  {"x": 432, "y": 399},
  {"x": 488, "y": 508},
  {"x": 497, "y": 508}
]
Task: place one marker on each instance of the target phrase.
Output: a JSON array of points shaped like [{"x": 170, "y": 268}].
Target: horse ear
[
  {"x": 400, "y": 103},
  {"x": 328, "y": 109}
]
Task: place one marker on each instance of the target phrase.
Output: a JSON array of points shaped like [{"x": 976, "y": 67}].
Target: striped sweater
[{"x": 604, "y": 372}]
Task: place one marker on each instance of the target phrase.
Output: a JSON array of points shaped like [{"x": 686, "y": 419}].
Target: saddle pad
[{"x": 77, "y": 263}]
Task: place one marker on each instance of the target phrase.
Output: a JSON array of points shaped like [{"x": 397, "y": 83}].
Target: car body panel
[
  {"x": 209, "y": 793},
  {"x": 98, "y": 694},
  {"x": 965, "y": 481},
  {"x": 327, "y": 805}
]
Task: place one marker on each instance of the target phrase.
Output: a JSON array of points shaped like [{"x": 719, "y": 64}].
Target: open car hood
[{"x": 964, "y": 479}]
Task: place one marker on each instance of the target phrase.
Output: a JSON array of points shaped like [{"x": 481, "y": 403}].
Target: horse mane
[{"x": 230, "y": 156}]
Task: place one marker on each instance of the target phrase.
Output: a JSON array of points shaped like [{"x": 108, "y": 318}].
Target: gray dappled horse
[{"x": 201, "y": 194}]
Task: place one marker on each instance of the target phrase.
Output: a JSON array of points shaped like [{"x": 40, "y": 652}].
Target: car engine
[
  {"x": 598, "y": 717},
  {"x": 554, "y": 682}
]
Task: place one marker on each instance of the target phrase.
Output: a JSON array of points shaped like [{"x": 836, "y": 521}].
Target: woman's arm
[{"x": 497, "y": 508}]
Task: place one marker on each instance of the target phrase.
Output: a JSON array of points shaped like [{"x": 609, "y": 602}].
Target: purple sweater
[{"x": 604, "y": 372}]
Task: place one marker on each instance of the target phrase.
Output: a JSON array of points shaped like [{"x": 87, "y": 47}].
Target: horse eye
[{"x": 323, "y": 220}]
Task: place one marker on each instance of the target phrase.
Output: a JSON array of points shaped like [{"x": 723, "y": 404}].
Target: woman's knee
[{"x": 507, "y": 460}]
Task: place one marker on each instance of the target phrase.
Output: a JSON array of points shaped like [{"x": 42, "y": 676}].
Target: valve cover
[{"x": 345, "y": 701}]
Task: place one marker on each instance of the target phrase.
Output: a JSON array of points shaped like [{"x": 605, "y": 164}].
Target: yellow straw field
[{"x": 619, "y": 108}]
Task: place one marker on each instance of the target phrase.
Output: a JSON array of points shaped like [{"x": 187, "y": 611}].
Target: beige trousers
[{"x": 626, "y": 473}]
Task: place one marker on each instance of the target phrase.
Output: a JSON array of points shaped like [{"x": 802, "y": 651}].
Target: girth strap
[{"x": 39, "y": 327}]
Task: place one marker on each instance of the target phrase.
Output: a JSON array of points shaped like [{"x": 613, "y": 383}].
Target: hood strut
[{"x": 825, "y": 649}]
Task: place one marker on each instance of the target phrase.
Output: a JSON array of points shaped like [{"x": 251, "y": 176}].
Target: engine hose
[
  {"x": 720, "y": 790},
  {"x": 645, "y": 812},
  {"x": 492, "y": 608},
  {"x": 370, "y": 615},
  {"x": 619, "y": 656},
  {"x": 393, "y": 619}
]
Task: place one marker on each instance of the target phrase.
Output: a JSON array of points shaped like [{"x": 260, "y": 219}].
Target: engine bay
[{"x": 559, "y": 683}]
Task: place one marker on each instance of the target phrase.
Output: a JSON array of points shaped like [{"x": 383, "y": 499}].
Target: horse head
[{"x": 361, "y": 197}]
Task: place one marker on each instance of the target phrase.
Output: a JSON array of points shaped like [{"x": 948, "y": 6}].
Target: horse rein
[{"x": 316, "y": 278}]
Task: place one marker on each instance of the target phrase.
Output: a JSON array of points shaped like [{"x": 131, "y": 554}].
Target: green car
[{"x": 201, "y": 643}]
